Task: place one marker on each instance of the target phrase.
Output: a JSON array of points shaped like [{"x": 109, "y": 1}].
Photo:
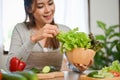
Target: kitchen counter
[
  {"x": 67, "y": 75},
  {"x": 70, "y": 75}
]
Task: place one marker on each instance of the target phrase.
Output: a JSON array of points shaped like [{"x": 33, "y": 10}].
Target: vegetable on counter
[
  {"x": 30, "y": 75},
  {"x": 115, "y": 73},
  {"x": 16, "y": 64},
  {"x": 20, "y": 75},
  {"x": 107, "y": 72},
  {"x": 35, "y": 70},
  {"x": 12, "y": 76},
  {"x": 47, "y": 69}
]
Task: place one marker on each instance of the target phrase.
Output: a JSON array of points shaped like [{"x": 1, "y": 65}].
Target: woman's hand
[
  {"x": 47, "y": 31},
  {"x": 83, "y": 67}
]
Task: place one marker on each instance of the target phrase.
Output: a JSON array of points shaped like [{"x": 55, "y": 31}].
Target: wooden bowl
[{"x": 80, "y": 56}]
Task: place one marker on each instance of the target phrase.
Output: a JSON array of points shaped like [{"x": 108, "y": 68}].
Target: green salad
[
  {"x": 75, "y": 39},
  {"x": 107, "y": 72}
]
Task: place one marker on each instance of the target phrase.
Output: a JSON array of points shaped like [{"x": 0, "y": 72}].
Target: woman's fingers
[
  {"x": 50, "y": 30},
  {"x": 91, "y": 62},
  {"x": 47, "y": 31},
  {"x": 81, "y": 67}
]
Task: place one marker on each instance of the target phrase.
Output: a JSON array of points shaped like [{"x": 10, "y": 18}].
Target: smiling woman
[
  {"x": 34, "y": 40},
  {"x": 64, "y": 14}
]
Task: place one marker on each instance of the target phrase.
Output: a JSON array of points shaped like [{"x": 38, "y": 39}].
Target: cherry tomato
[{"x": 115, "y": 73}]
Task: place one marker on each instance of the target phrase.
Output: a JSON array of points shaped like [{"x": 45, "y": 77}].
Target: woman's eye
[
  {"x": 39, "y": 6},
  {"x": 50, "y": 3}
]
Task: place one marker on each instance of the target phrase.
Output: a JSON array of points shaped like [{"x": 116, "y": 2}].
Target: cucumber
[
  {"x": 91, "y": 74},
  {"x": 30, "y": 75},
  {"x": 11, "y": 76},
  {"x": 98, "y": 76},
  {"x": 53, "y": 68},
  {"x": 35, "y": 70},
  {"x": 47, "y": 69}
]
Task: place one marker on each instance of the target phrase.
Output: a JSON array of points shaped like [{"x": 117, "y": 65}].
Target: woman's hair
[
  {"x": 51, "y": 42},
  {"x": 29, "y": 11}
]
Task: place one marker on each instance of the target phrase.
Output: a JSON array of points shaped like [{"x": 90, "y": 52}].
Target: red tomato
[
  {"x": 115, "y": 73},
  {"x": 16, "y": 64}
]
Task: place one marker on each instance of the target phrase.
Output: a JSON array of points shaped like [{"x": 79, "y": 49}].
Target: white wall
[
  {"x": 104, "y": 10},
  {"x": 0, "y": 37}
]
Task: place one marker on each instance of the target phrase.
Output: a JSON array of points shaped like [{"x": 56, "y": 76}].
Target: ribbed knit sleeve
[{"x": 20, "y": 47}]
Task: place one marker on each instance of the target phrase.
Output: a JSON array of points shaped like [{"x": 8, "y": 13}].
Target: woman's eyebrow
[
  {"x": 39, "y": 3},
  {"x": 49, "y": 0}
]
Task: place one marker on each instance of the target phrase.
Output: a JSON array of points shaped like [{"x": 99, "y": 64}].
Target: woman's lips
[{"x": 47, "y": 17}]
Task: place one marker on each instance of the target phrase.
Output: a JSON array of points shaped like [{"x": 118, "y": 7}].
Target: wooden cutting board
[
  {"x": 84, "y": 77},
  {"x": 50, "y": 75}
]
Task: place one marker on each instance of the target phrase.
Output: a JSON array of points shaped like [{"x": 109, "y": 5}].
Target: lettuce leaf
[{"x": 73, "y": 39}]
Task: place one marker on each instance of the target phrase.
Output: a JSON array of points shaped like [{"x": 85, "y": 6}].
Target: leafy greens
[
  {"x": 73, "y": 39},
  {"x": 107, "y": 72}
]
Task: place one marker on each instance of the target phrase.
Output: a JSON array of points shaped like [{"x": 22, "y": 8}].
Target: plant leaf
[
  {"x": 114, "y": 26},
  {"x": 100, "y": 37},
  {"x": 113, "y": 44},
  {"x": 118, "y": 46},
  {"x": 114, "y": 35},
  {"x": 109, "y": 31},
  {"x": 101, "y": 25}
]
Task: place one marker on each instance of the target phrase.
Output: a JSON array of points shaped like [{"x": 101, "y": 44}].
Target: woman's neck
[{"x": 39, "y": 25}]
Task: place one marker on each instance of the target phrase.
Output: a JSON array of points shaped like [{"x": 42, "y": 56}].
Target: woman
[{"x": 35, "y": 39}]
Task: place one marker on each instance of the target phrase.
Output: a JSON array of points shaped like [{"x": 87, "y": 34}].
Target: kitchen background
[{"x": 107, "y": 11}]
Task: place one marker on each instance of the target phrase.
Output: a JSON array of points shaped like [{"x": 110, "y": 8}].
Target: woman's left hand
[{"x": 83, "y": 67}]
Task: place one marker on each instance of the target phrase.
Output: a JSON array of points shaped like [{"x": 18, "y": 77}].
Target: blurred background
[{"x": 73, "y": 13}]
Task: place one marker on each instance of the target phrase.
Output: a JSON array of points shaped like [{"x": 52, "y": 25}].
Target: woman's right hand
[
  {"x": 83, "y": 67},
  {"x": 47, "y": 31}
]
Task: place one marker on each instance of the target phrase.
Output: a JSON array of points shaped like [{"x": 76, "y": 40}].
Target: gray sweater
[{"x": 21, "y": 46}]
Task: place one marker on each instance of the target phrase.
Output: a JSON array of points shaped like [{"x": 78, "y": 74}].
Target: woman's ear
[{"x": 29, "y": 10}]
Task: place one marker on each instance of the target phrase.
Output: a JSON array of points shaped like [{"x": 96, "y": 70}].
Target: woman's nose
[{"x": 47, "y": 9}]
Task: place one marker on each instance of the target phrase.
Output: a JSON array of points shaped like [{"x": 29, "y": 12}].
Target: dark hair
[
  {"x": 29, "y": 15},
  {"x": 51, "y": 42}
]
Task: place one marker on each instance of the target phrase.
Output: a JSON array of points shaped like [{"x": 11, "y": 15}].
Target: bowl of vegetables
[
  {"x": 111, "y": 72},
  {"x": 81, "y": 56},
  {"x": 79, "y": 47}
]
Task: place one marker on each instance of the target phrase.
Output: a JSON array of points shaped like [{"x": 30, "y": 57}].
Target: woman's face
[{"x": 44, "y": 11}]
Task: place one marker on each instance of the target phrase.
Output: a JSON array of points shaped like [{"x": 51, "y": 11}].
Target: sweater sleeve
[{"x": 18, "y": 48}]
